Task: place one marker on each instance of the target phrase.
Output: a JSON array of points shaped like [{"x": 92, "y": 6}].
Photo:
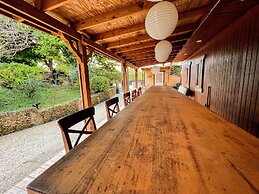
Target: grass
[{"x": 12, "y": 100}]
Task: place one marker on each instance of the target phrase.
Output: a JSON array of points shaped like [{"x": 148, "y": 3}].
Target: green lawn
[{"x": 11, "y": 100}]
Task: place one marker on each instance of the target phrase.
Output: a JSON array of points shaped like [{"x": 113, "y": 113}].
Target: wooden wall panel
[{"x": 232, "y": 71}]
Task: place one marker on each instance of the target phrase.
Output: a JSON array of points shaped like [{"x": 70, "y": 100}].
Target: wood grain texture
[
  {"x": 155, "y": 145},
  {"x": 232, "y": 71}
]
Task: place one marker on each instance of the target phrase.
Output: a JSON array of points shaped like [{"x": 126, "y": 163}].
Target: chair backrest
[
  {"x": 127, "y": 99},
  {"x": 66, "y": 122},
  {"x": 134, "y": 94},
  {"x": 139, "y": 91},
  {"x": 111, "y": 111}
]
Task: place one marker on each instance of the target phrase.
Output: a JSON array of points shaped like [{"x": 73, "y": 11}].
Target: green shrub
[
  {"x": 100, "y": 84},
  {"x": 20, "y": 77},
  {"x": 176, "y": 70}
]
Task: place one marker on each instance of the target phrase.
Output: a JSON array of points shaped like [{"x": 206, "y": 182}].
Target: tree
[
  {"x": 20, "y": 77},
  {"x": 132, "y": 75},
  {"x": 101, "y": 66},
  {"x": 176, "y": 70},
  {"x": 14, "y": 37}
]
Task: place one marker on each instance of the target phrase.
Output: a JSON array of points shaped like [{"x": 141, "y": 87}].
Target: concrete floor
[{"x": 21, "y": 153}]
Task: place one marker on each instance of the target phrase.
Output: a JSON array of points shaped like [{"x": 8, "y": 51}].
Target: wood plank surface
[
  {"x": 231, "y": 70},
  {"x": 163, "y": 142}
]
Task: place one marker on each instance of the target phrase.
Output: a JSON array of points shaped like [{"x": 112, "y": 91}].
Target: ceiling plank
[
  {"x": 48, "y": 5},
  {"x": 112, "y": 15},
  {"x": 145, "y": 37},
  {"x": 141, "y": 27}
]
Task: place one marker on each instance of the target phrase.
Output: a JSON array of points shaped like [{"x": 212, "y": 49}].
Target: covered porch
[{"x": 163, "y": 142}]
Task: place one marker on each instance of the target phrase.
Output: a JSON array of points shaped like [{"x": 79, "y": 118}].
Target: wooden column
[
  {"x": 125, "y": 79},
  {"x": 143, "y": 79},
  {"x": 136, "y": 78},
  {"x": 80, "y": 52}
]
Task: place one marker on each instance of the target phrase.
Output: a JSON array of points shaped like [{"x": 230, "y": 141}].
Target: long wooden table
[{"x": 163, "y": 142}]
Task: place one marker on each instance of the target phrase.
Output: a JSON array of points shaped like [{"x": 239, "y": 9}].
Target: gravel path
[{"x": 22, "y": 152}]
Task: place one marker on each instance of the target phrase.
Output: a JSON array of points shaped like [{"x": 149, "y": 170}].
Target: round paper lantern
[
  {"x": 163, "y": 48},
  {"x": 155, "y": 69},
  {"x": 161, "y": 20},
  {"x": 161, "y": 59}
]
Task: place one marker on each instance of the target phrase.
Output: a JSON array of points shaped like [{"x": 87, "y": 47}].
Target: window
[{"x": 200, "y": 67}]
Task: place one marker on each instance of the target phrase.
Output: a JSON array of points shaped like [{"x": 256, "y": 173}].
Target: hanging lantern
[
  {"x": 163, "y": 48},
  {"x": 161, "y": 20},
  {"x": 161, "y": 59},
  {"x": 155, "y": 69}
]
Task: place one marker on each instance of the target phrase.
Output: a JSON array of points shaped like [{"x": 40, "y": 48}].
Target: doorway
[{"x": 159, "y": 79}]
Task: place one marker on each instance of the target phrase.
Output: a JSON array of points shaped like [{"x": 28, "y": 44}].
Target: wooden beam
[
  {"x": 125, "y": 79},
  {"x": 37, "y": 17},
  {"x": 48, "y": 5},
  {"x": 141, "y": 27},
  {"x": 145, "y": 37},
  {"x": 142, "y": 51},
  {"x": 140, "y": 7},
  {"x": 148, "y": 63},
  {"x": 150, "y": 57},
  {"x": 143, "y": 57},
  {"x": 136, "y": 78},
  {"x": 146, "y": 45},
  {"x": 81, "y": 56},
  {"x": 32, "y": 12}
]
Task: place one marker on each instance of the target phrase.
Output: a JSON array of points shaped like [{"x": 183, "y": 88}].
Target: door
[{"x": 159, "y": 79}]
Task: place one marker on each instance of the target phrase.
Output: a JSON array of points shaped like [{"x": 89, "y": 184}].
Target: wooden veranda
[{"x": 217, "y": 42}]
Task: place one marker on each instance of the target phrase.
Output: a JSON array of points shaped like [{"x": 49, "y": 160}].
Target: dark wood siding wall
[{"x": 232, "y": 72}]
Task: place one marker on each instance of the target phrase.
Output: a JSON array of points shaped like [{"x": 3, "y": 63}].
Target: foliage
[
  {"x": 176, "y": 70},
  {"x": 100, "y": 84},
  {"x": 13, "y": 100},
  {"x": 101, "y": 66},
  {"x": 132, "y": 74},
  {"x": 26, "y": 56},
  {"x": 14, "y": 37},
  {"x": 20, "y": 77}
]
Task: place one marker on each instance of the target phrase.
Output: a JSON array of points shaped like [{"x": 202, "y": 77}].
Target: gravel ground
[{"x": 22, "y": 152}]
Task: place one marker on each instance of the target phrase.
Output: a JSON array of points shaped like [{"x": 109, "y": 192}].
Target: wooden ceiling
[{"x": 118, "y": 25}]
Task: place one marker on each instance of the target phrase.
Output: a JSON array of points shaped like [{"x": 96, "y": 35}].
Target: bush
[
  {"x": 100, "y": 84},
  {"x": 21, "y": 77},
  {"x": 176, "y": 70}
]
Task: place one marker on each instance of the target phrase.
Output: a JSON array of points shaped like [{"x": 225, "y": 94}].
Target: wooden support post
[
  {"x": 143, "y": 79},
  {"x": 79, "y": 50},
  {"x": 136, "y": 78},
  {"x": 125, "y": 79}
]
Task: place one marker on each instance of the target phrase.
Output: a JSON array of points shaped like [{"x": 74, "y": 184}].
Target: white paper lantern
[
  {"x": 161, "y": 20},
  {"x": 161, "y": 59},
  {"x": 163, "y": 48},
  {"x": 155, "y": 69}
]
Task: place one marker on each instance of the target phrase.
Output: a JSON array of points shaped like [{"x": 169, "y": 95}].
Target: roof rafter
[
  {"x": 48, "y": 5},
  {"x": 141, "y": 27},
  {"x": 145, "y": 37},
  {"x": 139, "y": 7},
  {"x": 142, "y": 51}
]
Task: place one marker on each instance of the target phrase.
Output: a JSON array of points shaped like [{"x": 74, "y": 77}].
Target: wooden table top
[{"x": 163, "y": 142}]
